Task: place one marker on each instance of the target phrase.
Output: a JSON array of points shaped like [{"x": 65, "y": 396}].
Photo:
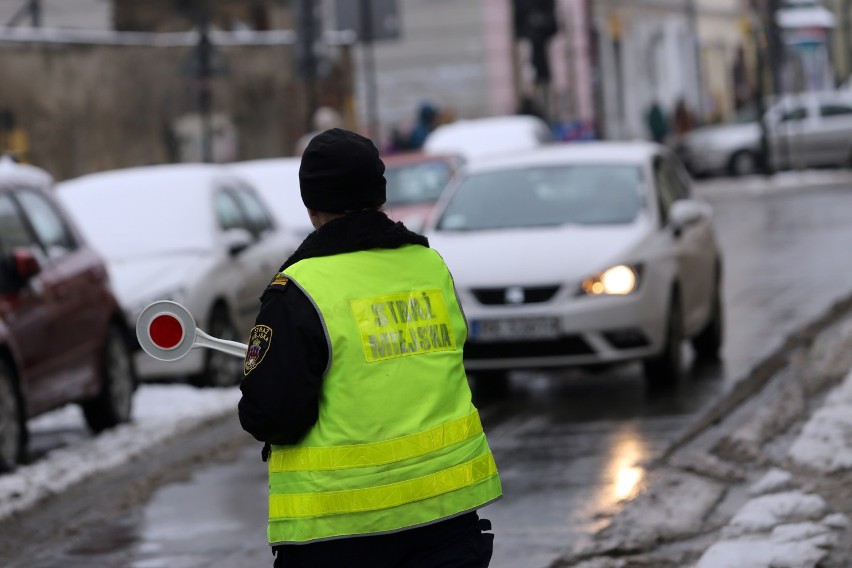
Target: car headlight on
[{"x": 616, "y": 281}]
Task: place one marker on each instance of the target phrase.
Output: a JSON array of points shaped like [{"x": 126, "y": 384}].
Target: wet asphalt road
[{"x": 570, "y": 446}]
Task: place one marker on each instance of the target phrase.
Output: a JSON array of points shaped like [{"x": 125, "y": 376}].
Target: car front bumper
[{"x": 576, "y": 331}]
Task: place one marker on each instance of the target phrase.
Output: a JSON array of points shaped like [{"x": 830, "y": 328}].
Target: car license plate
[{"x": 515, "y": 329}]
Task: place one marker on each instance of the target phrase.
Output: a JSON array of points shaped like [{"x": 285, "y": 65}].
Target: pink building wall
[
  {"x": 571, "y": 86},
  {"x": 497, "y": 29}
]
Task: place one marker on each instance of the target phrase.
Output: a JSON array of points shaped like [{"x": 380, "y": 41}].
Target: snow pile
[
  {"x": 825, "y": 443},
  {"x": 767, "y": 511},
  {"x": 160, "y": 412},
  {"x": 780, "y": 530},
  {"x": 773, "y": 481}
]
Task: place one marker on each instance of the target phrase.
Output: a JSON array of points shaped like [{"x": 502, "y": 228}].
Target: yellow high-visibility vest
[{"x": 398, "y": 442}]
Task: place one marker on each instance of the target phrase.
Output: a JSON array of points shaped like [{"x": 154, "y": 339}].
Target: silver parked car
[{"x": 804, "y": 130}]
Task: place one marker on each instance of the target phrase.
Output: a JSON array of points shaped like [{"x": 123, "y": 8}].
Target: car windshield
[
  {"x": 545, "y": 196},
  {"x": 416, "y": 183},
  {"x": 745, "y": 114}
]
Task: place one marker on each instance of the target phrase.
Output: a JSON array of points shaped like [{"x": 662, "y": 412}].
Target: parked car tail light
[
  {"x": 616, "y": 281},
  {"x": 26, "y": 264}
]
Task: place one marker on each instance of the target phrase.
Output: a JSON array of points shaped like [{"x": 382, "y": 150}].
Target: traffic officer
[{"x": 354, "y": 380}]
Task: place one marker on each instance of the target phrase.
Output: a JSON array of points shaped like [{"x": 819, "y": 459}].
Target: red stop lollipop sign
[{"x": 166, "y": 331}]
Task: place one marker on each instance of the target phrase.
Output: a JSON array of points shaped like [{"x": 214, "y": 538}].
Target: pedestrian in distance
[
  {"x": 658, "y": 123},
  {"x": 427, "y": 117},
  {"x": 354, "y": 380}
]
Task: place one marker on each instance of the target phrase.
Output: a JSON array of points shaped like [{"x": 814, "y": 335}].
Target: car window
[
  {"x": 669, "y": 187},
  {"x": 228, "y": 211},
  {"x": 682, "y": 180},
  {"x": 545, "y": 196},
  {"x": 51, "y": 228},
  {"x": 14, "y": 232},
  {"x": 416, "y": 183},
  {"x": 834, "y": 109},
  {"x": 796, "y": 113},
  {"x": 746, "y": 113},
  {"x": 259, "y": 220}
]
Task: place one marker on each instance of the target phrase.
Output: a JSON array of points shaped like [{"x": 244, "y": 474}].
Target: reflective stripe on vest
[
  {"x": 379, "y": 453},
  {"x": 300, "y": 505}
]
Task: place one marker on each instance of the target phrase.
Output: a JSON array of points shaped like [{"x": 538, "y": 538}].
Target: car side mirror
[
  {"x": 237, "y": 240},
  {"x": 25, "y": 264},
  {"x": 685, "y": 212}
]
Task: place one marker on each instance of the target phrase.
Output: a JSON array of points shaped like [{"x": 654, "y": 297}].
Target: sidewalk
[
  {"x": 764, "y": 484},
  {"x": 776, "y": 183}
]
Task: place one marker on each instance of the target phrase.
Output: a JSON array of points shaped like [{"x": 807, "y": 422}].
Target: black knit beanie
[{"x": 341, "y": 171}]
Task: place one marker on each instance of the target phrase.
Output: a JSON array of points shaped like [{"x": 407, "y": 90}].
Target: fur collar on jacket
[{"x": 362, "y": 230}]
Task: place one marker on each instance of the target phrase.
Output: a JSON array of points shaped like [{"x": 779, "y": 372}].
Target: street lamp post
[
  {"x": 205, "y": 94},
  {"x": 692, "y": 19},
  {"x": 366, "y": 24},
  {"x": 760, "y": 40},
  {"x": 308, "y": 61},
  {"x": 31, "y": 8}
]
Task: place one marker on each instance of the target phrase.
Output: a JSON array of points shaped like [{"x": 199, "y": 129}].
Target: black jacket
[{"x": 280, "y": 395}]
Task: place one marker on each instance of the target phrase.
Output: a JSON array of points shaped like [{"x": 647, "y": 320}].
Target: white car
[
  {"x": 803, "y": 130},
  {"x": 192, "y": 233},
  {"x": 277, "y": 180},
  {"x": 580, "y": 255},
  {"x": 478, "y": 137}
]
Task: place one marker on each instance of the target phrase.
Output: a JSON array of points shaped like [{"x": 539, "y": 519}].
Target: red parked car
[
  {"x": 63, "y": 338},
  {"x": 415, "y": 181}
]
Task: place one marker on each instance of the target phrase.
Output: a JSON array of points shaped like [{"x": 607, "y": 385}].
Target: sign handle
[{"x": 234, "y": 348}]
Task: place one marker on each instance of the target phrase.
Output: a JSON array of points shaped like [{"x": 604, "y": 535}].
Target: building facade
[{"x": 665, "y": 53}]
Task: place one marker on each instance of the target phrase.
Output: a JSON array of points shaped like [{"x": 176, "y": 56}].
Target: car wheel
[
  {"x": 708, "y": 342},
  {"x": 113, "y": 404},
  {"x": 743, "y": 163},
  {"x": 12, "y": 431},
  {"x": 220, "y": 369},
  {"x": 664, "y": 369},
  {"x": 489, "y": 385}
]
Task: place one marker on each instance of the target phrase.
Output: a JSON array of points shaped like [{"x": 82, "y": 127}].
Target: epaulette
[{"x": 279, "y": 280}]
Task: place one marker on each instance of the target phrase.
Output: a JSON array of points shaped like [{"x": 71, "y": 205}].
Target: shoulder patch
[
  {"x": 279, "y": 280},
  {"x": 259, "y": 342}
]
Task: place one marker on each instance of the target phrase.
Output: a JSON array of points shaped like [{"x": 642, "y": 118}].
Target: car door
[
  {"x": 829, "y": 139},
  {"x": 692, "y": 247},
  {"x": 72, "y": 278},
  {"x": 786, "y": 134},
  {"x": 24, "y": 307}
]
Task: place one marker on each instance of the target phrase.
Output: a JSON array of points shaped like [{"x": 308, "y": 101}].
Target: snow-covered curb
[
  {"x": 160, "y": 413},
  {"x": 792, "y": 528}
]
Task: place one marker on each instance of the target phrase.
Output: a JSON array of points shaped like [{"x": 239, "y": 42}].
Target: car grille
[
  {"x": 566, "y": 345},
  {"x": 498, "y": 296}
]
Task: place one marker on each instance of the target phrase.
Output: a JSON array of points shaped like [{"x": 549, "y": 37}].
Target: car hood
[
  {"x": 143, "y": 277},
  {"x": 725, "y": 134},
  {"x": 539, "y": 256}
]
